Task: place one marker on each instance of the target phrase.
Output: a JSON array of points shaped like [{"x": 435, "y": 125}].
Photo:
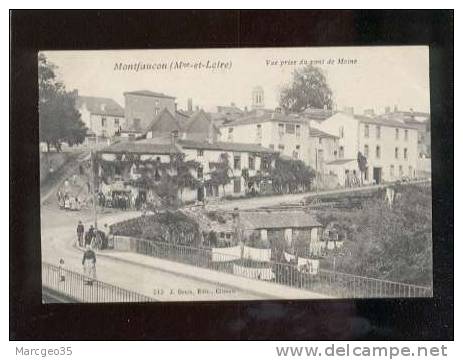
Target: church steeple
[{"x": 258, "y": 97}]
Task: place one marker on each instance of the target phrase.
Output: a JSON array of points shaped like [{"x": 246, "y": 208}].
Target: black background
[{"x": 398, "y": 319}]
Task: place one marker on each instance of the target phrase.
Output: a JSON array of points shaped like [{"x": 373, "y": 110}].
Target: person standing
[
  {"x": 80, "y": 234},
  {"x": 89, "y": 264},
  {"x": 89, "y": 236}
]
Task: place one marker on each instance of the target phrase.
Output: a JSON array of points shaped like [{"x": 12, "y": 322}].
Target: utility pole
[{"x": 93, "y": 184}]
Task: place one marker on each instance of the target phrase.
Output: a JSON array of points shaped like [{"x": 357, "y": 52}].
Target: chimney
[
  {"x": 232, "y": 104},
  {"x": 396, "y": 108},
  {"x": 210, "y": 135},
  {"x": 190, "y": 105},
  {"x": 245, "y": 109},
  {"x": 176, "y": 106},
  {"x": 173, "y": 137},
  {"x": 387, "y": 109}
]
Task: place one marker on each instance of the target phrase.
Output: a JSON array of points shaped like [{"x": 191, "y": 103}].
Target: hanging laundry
[
  {"x": 257, "y": 254},
  {"x": 226, "y": 254},
  {"x": 289, "y": 257}
]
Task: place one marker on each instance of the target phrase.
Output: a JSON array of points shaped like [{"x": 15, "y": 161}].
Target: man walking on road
[{"x": 80, "y": 234}]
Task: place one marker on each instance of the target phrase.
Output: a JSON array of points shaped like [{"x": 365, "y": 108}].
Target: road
[
  {"x": 271, "y": 201},
  {"x": 58, "y": 236}
]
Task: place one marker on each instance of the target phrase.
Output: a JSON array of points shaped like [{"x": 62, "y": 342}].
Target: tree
[
  {"x": 220, "y": 176},
  {"x": 290, "y": 176},
  {"x": 59, "y": 120},
  {"x": 308, "y": 89},
  {"x": 362, "y": 164},
  {"x": 184, "y": 179},
  {"x": 390, "y": 243}
]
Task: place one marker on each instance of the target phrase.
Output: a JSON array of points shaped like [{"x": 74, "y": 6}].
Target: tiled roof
[
  {"x": 277, "y": 220},
  {"x": 314, "y": 132},
  {"x": 317, "y": 114},
  {"x": 225, "y": 146},
  {"x": 149, "y": 93},
  {"x": 147, "y": 146},
  {"x": 100, "y": 105},
  {"x": 340, "y": 161},
  {"x": 385, "y": 121},
  {"x": 266, "y": 117}
]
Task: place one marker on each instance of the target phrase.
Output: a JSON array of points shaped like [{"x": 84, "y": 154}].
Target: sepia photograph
[{"x": 235, "y": 174}]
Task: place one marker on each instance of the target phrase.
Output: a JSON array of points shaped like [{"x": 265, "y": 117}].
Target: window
[
  {"x": 281, "y": 129},
  {"x": 103, "y": 122},
  {"x": 156, "y": 111},
  {"x": 366, "y": 150},
  {"x": 200, "y": 152},
  {"x": 290, "y": 128},
  {"x": 396, "y": 153},
  {"x": 237, "y": 162},
  {"x": 397, "y": 134},
  {"x": 298, "y": 130},
  {"x": 259, "y": 132},
  {"x": 367, "y": 131},
  {"x": 378, "y": 152},
  {"x": 230, "y": 130},
  {"x": 378, "y": 132},
  {"x": 410, "y": 171},
  {"x": 116, "y": 121},
  {"x": 252, "y": 162},
  {"x": 406, "y": 135},
  {"x": 341, "y": 152},
  {"x": 136, "y": 123},
  {"x": 298, "y": 147},
  {"x": 391, "y": 171},
  {"x": 401, "y": 171},
  {"x": 341, "y": 132},
  {"x": 319, "y": 141},
  {"x": 230, "y": 134},
  {"x": 271, "y": 146},
  {"x": 295, "y": 155},
  {"x": 405, "y": 153},
  {"x": 156, "y": 103},
  {"x": 281, "y": 147},
  {"x": 200, "y": 172}
]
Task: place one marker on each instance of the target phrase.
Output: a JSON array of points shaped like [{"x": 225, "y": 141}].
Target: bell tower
[{"x": 257, "y": 97}]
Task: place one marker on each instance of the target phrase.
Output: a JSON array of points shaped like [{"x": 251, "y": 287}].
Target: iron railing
[
  {"x": 331, "y": 283},
  {"x": 74, "y": 286}
]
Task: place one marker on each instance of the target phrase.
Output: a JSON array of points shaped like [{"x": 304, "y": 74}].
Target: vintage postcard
[{"x": 235, "y": 174}]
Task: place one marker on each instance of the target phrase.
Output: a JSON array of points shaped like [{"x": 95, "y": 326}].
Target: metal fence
[
  {"x": 331, "y": 283},
  {"x": 74, "y": 285}
]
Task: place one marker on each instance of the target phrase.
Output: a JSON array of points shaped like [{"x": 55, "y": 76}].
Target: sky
[{"x": 367, "y": 77}]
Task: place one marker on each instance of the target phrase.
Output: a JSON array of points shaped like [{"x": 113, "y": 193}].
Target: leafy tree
[
  {"x": 308, "y": 89},
  {"x": 390, "y": 243},
  {"x": 362, "y": 164},
  {"x": 58, "y": 117},
  {"x": 220, "y": 176},
  {"x": 289, "y": 176},
  {"x": 184, "y": 178}
]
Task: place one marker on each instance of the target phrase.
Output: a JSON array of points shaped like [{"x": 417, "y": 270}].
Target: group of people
[
  {"x": 117, "y": 200},
  {"x": 68, "y": 202},
  {"x": 96, "y": 239}
]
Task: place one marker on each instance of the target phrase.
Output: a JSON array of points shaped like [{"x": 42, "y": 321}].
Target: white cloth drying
[
  {"x": 289, "y": 257},
  {"x": 226, "y": 254},
  {"x": 256, "y": 254}
]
